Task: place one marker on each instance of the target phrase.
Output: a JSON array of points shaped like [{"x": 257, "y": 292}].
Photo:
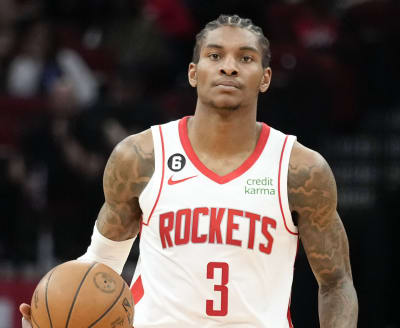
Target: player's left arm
[{"x": 313, "y": 201}]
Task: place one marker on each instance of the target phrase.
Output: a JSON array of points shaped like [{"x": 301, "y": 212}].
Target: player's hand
[{"x": 25, "y": 310}]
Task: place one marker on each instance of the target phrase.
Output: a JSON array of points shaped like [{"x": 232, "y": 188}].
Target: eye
[
  {"x": 247, "y": 59},
  {"x": 214, "y": 56}
]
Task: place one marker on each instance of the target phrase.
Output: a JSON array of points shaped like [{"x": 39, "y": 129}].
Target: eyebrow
[
  {"x": 249, "y": 48},
  {"x": 217, "y": 46},
  {"x": 212, "y": 45}
]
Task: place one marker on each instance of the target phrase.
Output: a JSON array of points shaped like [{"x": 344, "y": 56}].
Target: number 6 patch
[{"x": 176, "y": 162}]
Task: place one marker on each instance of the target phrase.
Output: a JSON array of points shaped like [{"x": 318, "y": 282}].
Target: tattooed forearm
[
  {"x": 337, "y": 306},
  {"x": 312, "y": 197},
  {"x": 127, "y": 172}
]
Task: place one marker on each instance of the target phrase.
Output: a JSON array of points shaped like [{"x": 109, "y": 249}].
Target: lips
[{"x": 229, "y": 83}]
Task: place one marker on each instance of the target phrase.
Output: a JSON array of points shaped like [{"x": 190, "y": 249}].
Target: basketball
[{"x": 79, "y": 294}]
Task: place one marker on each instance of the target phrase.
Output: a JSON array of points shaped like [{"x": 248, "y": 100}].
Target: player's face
[{"x": 229, "y": 74}]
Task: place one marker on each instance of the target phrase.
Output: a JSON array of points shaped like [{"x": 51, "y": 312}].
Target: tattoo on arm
[
  {"x": 313, "y": 198},
  {"x": 127, "y": 172}
]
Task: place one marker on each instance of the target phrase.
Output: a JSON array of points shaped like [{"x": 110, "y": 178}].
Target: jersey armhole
[
  {"x": 150, "y": 195},
  {"x": 282, "y": 184}
]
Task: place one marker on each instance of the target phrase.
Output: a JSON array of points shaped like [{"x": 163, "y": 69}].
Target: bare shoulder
[
  {"x": 130, "y": 166},
  {"x": 129, "y": 148},
  {"x": 311, "y": 185},
  {"x": 303, "y": 156}
]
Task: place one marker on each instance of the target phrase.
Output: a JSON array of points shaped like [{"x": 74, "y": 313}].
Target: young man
[{"x": 220, "y": 201}]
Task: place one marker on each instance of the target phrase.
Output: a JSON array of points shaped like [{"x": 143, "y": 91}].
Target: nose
[{"x": 228, "y": 67}]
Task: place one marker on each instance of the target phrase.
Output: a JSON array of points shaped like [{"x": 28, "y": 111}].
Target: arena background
[{"x": 78, "y": 76}]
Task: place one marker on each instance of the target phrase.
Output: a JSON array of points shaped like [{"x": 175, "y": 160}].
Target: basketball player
[{"x": 221, "y": 201}]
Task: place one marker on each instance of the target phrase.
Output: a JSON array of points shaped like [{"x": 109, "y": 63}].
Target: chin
[{"x": 225, "y": 105}]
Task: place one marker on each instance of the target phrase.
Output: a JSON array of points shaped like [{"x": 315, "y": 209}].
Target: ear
[
  {"x": 266, "y": 80},
  {"x": 192, "y": 74}
]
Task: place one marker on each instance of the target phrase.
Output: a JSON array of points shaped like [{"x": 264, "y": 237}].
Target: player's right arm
[
  {"x": 128, "y": 170},
  {"x": 127, "y": 173}
]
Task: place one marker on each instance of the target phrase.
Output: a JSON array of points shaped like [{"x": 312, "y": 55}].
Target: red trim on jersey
[
  {"x": 162, "y": 176},
  {"x": 262, "y": 140},
  {"x": 279, "y": 188},
  {"x": 141, "y": 225},
  {"x": 137, "y": 290},
  {"x": 289, "y": 317}
]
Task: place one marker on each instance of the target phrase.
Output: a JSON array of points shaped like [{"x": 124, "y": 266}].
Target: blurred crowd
[{"x": 76, "y": 77}]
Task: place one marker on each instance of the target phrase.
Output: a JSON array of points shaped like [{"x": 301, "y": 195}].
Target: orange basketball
[{"x": 77, "y": 294}]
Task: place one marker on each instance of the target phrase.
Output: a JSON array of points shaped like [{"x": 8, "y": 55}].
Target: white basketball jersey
[{"x": 215, "y": 251}]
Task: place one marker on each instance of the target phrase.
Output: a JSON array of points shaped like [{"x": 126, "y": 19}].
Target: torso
[{"x": 215, "y": 249}]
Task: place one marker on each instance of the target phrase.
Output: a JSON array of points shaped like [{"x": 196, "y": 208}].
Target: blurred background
[{"x": 76, "y": 77}]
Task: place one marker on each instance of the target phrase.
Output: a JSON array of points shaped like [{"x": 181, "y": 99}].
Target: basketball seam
[
  {"x": 108, "y": 310},
  {"x": 47, "y": 303},
  {"x": 34, "y": 321},
  {"x": 77, "y": 292}
]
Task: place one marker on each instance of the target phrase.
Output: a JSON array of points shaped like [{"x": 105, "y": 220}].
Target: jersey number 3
[{"x": 222, "y": 288}]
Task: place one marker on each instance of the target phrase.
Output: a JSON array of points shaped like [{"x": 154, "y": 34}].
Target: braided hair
[{"x": 234, "y": 21}]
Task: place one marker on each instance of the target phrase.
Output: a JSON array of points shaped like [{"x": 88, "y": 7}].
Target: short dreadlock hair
[{"x": 234, "y": 21}]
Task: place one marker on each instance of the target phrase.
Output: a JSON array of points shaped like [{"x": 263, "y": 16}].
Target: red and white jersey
[{"x": 215, "y": 251}]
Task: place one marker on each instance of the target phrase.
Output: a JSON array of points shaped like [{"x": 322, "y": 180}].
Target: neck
[{"x": 223, "y": 132}]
